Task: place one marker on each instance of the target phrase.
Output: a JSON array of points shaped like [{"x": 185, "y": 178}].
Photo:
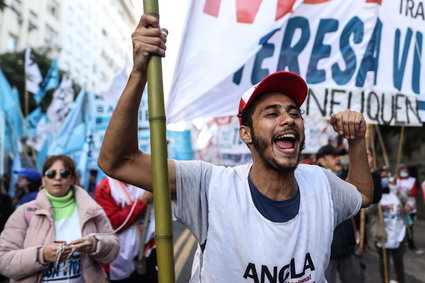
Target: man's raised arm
[
  {"x": 352, "y": 126},
  {"x": 120, "y": 156}
]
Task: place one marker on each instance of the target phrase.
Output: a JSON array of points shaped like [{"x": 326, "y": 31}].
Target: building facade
[{"x": 91, "y": 39}]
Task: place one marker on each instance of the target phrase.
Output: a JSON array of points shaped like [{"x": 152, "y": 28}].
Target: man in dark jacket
[{"x": 343, "y": 260}]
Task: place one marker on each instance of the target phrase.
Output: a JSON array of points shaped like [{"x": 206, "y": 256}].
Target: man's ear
[{"x": 245, "y": 134}]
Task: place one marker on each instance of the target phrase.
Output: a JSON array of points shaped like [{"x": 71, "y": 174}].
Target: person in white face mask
[{"x": 407, "y": 184}]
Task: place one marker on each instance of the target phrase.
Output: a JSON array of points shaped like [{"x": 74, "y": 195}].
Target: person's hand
[
  {"x": 83, "y": 245},
  {"x": 349, "y": 124},
  {"x": 49, "y": 252},
  {"x": 147, "y": 197},
  {"x": 148, "y": 38}
]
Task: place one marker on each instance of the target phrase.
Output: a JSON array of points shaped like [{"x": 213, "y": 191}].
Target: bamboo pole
[
  {"x": 162, "y": 198},
  {"x": 383, "y": 240}
]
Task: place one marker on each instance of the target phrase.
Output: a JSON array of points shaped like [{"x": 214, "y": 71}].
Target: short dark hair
[
  {"x": 246, "y": 115},
  {"x": 67, "y": 162},
  {"x": 330, "y": 150}
]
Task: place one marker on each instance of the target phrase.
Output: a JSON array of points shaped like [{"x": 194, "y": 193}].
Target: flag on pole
[
  {"x": 9, "y": 103},
  {"x": 33, "y": 76},
  {"x": 113, "y": 92},
  {"x": 42, "y": 151},
  {"x": 32, "y": 121},
  {"x": 70, "y": 137},
  {"x": 86, "y": 156},
  {"x": 2, "y": 141},
  {"x": 41, "y": 132},
  {"x": 63, "y": 99},
  {"x": 49, "y": 82}
]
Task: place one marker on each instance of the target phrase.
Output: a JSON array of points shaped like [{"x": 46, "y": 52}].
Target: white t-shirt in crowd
[{"x": 393, "y": 223}]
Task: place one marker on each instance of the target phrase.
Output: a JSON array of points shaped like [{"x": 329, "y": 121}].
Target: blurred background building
[{"x": 91, "y": 39}]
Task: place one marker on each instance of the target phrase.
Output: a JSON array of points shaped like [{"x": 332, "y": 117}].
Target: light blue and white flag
[
  {"x": 62, "y": 102},
  {"x": 9, "y": 102},
  {"x": 70, "y": 136},
  {"x": 32, "y": 121},
  {"x": 86, "y": 156},
  {"x": 33, "y": 76},
  {"x": 49, "y": 82},
  {"x": 2, "y": 140}
]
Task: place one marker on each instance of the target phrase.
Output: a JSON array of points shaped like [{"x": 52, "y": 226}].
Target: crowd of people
[{"x": 273, "y": 220}]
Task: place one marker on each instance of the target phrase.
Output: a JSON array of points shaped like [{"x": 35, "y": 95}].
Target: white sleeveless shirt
[{"x": 243, "y": 246}]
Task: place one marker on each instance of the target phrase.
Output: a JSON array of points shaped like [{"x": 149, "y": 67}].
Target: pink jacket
[{"x": 23, "y": 238}]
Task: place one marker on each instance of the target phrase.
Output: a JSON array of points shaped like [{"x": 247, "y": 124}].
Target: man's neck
[{"x": 272, "y": 183}]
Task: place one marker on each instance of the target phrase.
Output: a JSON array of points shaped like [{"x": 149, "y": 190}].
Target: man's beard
[{"x": 260, "y": 146}]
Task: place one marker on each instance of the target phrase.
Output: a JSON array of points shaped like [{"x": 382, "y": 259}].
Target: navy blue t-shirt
[{"x": 275, "y": 210}]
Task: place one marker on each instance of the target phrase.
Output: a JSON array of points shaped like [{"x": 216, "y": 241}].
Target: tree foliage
[
  {"x": 13, "y": 66},
  {"x": 2, "y": 5}
]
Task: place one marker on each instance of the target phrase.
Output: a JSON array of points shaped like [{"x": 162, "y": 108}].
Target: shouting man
[{"x": 269, "y": 221}]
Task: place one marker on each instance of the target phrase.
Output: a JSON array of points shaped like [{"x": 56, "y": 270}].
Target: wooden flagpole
[
  {"x": 383, "y": 240},
  {"x": 382, "y": 144},
  {"x": 400, "y": 148}
]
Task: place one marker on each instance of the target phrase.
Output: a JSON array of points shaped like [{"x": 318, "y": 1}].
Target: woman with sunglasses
[{"x": 62, "y": 236}]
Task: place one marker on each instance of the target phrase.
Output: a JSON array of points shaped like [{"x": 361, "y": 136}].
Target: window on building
[
  {"x": 16, "y": 6},
  {"x": 11, "y": 42},
  {"x": 66, "y": 66},
  {"x": 68, "y": 43},
  {"x": 32, "y": 21},
  {"x": 50, "y": 35},
  {"x": 70, "y": 15},
  {"x": 53, "y": 8}
]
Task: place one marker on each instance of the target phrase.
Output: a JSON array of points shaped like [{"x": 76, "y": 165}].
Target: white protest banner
[{"x": 362, "y": 51}]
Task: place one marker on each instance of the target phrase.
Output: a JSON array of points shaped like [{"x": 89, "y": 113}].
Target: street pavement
[{"x": 414, "y": 264}]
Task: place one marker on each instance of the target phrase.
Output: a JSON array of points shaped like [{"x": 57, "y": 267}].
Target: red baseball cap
[{"x": 287, "y": 83}]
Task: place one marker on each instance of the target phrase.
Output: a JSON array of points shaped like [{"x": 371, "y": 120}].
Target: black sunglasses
[{"x": 52, "y": 173}]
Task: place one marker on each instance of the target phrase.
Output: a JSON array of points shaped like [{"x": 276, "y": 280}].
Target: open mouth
[{"x": 286, "y": 142}]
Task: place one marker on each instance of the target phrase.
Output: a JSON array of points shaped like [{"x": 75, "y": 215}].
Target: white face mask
[{"x": 404, "y": 174}]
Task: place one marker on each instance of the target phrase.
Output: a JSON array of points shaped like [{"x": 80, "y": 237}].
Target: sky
[{"x": 173, "y": 15}]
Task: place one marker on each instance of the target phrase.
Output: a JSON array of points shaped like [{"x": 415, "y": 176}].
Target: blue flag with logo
[
  {"x": 70, "y": 137},
  {"x": 32, "y": 120},
  {"x": 49, "y": 82}
]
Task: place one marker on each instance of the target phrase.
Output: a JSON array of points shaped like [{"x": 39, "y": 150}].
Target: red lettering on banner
[
  {"x": 315, "y": 1},
  {"x": 212, "y": 7},
  {"x": 284, "y": 7},
  {"x": 247, "y": 10},
  {"x": 379, "y": 2}
]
